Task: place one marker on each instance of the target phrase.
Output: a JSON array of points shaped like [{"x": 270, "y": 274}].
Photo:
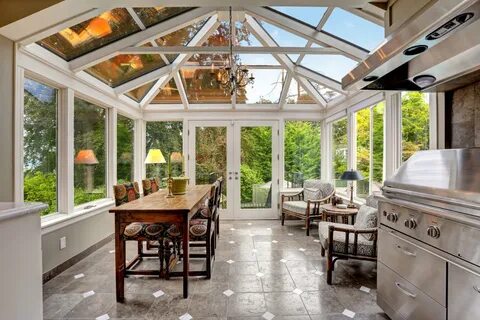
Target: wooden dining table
[{"x": 157, "y": 208}]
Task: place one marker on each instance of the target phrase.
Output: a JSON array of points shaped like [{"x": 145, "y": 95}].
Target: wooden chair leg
[
  {"x": 329, "y": 267},
  {"x": 140, "y": 248},
  {"x": 218, "y": 226},
  {"x": 148, "y": 245},
  {"x": 208, "y": 256},
  {"x": 283, "y": 217},
  {"x": 322, "y": 252},
  {"x": 307, "y": 225}
]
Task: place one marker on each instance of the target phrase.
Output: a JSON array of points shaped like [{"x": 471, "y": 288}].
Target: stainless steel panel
[
  {"x": 463, "y": 294},
  {"x": 420, "y": 267},
  {"x": 406, "y": 300}
]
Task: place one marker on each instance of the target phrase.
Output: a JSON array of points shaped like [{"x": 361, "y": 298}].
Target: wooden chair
[
  {"x": 218, "y": 200},
  {"x": 150, "y": 186},
  {"x": 343, "y": 241},
  {"x": 306, "y": 205}
]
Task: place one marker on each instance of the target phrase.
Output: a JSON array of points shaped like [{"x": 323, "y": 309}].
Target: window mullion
[
  {"x": 370, "y": 176},
  {"x": 111, "y": 156},
  {"x": 65, "y": 151}
]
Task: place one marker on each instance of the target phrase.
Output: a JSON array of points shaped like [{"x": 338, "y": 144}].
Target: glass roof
[
  {"x": 282, "y": 37},
  {"x": 139, "y": 93},
  {"x": 70, "y": 43},
  {"x": 266, "y": 88},
  {"x": 168, "y": 94},
  {"x": 309, "y": 15},
  {"x": 334, "y": 66},
  {"x": 297, "y": 95},
  {"x": 354, "y": 29},
  {"x": 257, "y": 59},
  {"x": 201, "y": 86},
  {"x": 326, "y": 93},
  {"x": 151, "y": 16}
]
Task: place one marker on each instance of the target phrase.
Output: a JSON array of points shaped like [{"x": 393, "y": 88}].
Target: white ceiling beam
[
  {"x": 140, "y": 81},
  {"x": 283, "y": 59},
  {"x": 317, "y": 77},
  {"x": 307, "y": 86},
  {"x": 307, "y": 32},
  {"x": 285, "y": 89},
  {"x": 225, "y": 49},
  {"x": 136, "y": 18},
  {"x": 157, "y": 31},
  {"x": 235, "y": 3},
  {"x": 378, "y": 20},
  {"x": 150, "y": 95},
  {"x": 181, "y": 89}
]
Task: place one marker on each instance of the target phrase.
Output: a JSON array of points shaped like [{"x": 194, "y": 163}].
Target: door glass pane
[
  {"x": 211, "y": 157},
  {"x": 363, "y": 151},
  {"x": 339, "y": 153},
  {"x": 256, "y": 167},
  {"x": 377, "y": 158},
  {"x": 125, "y": 150}
]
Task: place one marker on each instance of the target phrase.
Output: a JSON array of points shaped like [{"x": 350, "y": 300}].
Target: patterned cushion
[
  {"x": 150, "y": 186},
  {"x": 296, "y": 206},
  {"x": 372, "y": 201},
  {"x": 366, "y": 218},
  {"x": 144, "y": 231},
  {"x": 125, "y": 193},
  {"x": 323, "y": 189},
  {"x": 198, "y": 229},
  {"x": 311, "y": 194},
  {"x": 364, "y": 246}
]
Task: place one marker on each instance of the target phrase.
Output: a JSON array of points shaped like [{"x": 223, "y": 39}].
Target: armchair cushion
[
  {"x": 296, "y": 206},
  {"x": 364, "y": 247},
  {"x": 198, "y": 229},
  {"x": 317, "y": 189},
  {"x": 366, "y": 218}
]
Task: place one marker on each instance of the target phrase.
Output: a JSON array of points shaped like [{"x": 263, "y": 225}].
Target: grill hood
[
  {"x": 450, "y": 29},
  {"x": 443, "y": 178}
]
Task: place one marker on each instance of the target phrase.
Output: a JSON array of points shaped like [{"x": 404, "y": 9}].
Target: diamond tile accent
[
  {"x": 269, "y": 229},
  {"x": 274, "y": 241},
  {"x": 268, "y": 316},
  {"x": 228, "y": 292},
  {"x": 283, "y": 260},
  {"x": 111, "y": 251},
  {"x": 302, "y": 249},
  {"x": 249, "y": 223},
  {"x": 365, "y": 289},
  {"x": 259, "y": 274},
  {"x": 290, "y": 234},
  {"x": 186, "y": 316},
  {"x": 316, "y": 240},
  {"x": 78, "y": 276},
  {"x": 88, "y": 294},
  {"x": 230, "y": 261},
  {"x": 297, "y": 291},
  {"x": 232, "y": 229},
  {"x": 318, "y": 273},
  {"x": 231, "y": 242},
  {"x": 158, "y": 293},
  {"x": 348, "y": 313},
  {"x": 103, "y": 317},
  {"x": 254, "y": 250}
]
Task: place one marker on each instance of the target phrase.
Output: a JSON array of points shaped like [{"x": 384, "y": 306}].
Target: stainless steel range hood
[{"x": 449, "y": 29}]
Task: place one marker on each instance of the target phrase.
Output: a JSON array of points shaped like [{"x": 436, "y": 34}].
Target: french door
[{"x": 245, "y": 153}]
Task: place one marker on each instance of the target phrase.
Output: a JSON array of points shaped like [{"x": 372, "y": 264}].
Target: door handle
[
  {"x": 405, "y": 292},
  {"x": 406, "y": 252},
  {"x": 229, "y": 178}
]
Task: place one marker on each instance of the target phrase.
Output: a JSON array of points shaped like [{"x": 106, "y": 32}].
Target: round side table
[{"x": 332, "y": 213}]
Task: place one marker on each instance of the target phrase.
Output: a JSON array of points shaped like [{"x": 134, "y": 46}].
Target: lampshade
[
  {"x": 176, "y": 157},
  {"x": 351, "y": 175},
  {"x": 86, "y": 156},
  {"x": 155, "y": 156},
  {"x": 99, "y": 27}
]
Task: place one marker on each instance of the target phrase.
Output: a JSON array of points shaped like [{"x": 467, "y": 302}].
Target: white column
[
  {"x": 18, "y": 135},
  {"x": 66, "y": 151},
  {"x": 393, "y": 133},
  {"x": 112, "y": 150},
  {"x": 139, "y": 154},
  {"x": 326, "y": 154},
  {"x": 440, "y": 120}
]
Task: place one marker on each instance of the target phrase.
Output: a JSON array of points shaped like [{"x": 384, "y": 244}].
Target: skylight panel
[
  {"x": 326, "y": 93},
  {"x": 73, "y": 42},
  {"x": 283, "y": 38},
  {"x": 266, "y": 89},
  {"x": 202, "y": 86},
  {"x": 154, "y": 15},
  {"x": 244, "y": 37},
  {"x": 309, "y": 15},
  {"x": 334, "y": 66},
  {"x": 125, "y": 67},
  {"x": 139, "y": 93},
  {"x": 297, "y": 95},
  {"x": 258, "y": 59},
  {"x": 168, "y": 94},
  {"x": 354, "y": 29}
]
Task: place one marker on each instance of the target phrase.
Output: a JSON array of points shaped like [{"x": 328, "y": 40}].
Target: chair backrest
[
  {"x": 315, "y": 189},
  {"x": 126, "y": 192},
  {"x": 218, "y": 198},
  {"x": 150, "y": 185}
]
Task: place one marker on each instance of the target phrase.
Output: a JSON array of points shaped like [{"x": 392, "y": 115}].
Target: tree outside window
[
  {"x": 415, "y": 123},
  {"x": 339, "y": 153},
  {"x": 125, "y": 148}
]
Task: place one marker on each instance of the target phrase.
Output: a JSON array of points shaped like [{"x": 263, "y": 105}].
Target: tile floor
[{"x": 269, "y": 278}]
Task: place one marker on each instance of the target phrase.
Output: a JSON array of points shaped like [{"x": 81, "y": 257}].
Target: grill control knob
[
  {"x": 392, "y": 217},
  {"x": 434, "y": 232},
  {"x": 410, "y": 223}
]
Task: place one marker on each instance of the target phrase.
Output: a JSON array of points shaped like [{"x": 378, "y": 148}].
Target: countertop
[{"x": 10, "y": 210}]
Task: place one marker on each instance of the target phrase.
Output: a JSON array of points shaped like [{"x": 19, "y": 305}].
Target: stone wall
[{"x": 465, "y": 117}]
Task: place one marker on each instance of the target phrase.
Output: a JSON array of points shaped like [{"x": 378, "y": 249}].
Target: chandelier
[{"x": 233, "y": 76}]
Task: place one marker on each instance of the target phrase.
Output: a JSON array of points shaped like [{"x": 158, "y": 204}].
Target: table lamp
[
  {"x": 88, "y": 158},
  {"x": 155, "y": 156},
  {"x": 351, "y": 175}
]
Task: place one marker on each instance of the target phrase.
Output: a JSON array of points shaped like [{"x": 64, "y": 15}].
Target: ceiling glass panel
[
  {"x": 310, "y": 15},
  {"x": 244, "y": 37},
  {"x": 201, "y": 86},
  {"x": 266, "y": 88},
  {"x": 125, "y": 67},
  {"x": 151, "y": 16},
  {"x": 333, "y": 66},
  {"x": 354, "y": 29},
  {"x": 180, "y": 37},
  {"x": 283, "y": 38},
  {"x": 297, "y": 95},
  {"x": 258, "y": 59},
  {"x": 139, "y": 93},
  {"x": 70, "y": 43},
  {"x": 326, "y": 93},
  {"x": 168, "y": 94}
]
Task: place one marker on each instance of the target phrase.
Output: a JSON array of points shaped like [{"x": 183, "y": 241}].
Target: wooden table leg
[
  {"x": 119, "y": 261},
  {"x": 185, "y": 241}
]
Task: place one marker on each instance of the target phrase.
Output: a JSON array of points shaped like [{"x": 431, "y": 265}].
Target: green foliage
[
  {"x": 415, "y": 123},
  {"x": 250, "y": 177},
  {"x": 339, "y": 135},
  {"x": 125, "y": 131},
  {"x": 41, "y": 187},
  {"x": 83, "y": 196}
]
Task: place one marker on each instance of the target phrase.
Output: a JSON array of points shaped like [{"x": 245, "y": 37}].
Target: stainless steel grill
[{"x": 429, "y": 238}]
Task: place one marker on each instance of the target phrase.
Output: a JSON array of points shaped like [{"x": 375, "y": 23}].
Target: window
[
  {"x": 125, "y": 148},
  {"x": 266, "y": 89},
  {"x": 297, "y": 95},
  {"x": 310, "y": 15},
  {"x": 333, "y": 66},
  {"x": 302, "y": 152},
  {"x": 415, "y": 123},
  {"x": 168, "y": 137},
  {"x": 339, "y": 153},
  {"x": 40, "y": 144},
  {"x": 369, "y": 133},
  {"x": 90, "y": 152}
]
